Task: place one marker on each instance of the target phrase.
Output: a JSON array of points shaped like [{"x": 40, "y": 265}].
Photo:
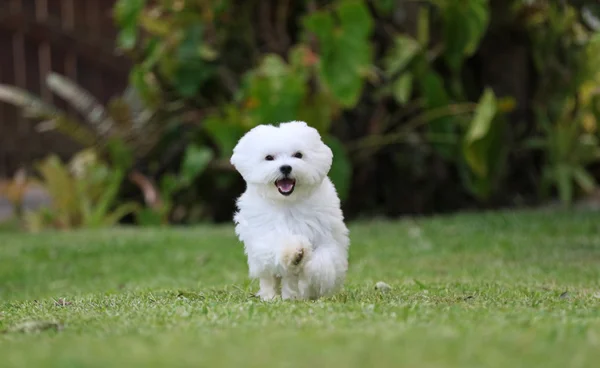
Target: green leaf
[
  {"x": 402, "y": 88},
  {"x": 492, "y": 150},
  {"x": 586, "y": 148},
  {"x": 127, "y": 37},
  {"x": 355, "y": 19},
  {"x": 403, "y": 51},
  {"x": 127, "y": 11},
  {"x": 341, "y": 169},
  {"x": 345, "y": 50},
  {"x": 435, "y": 96},
  {"x": 475, "y": 148},
  {"x": 384, "y": 6},
  {"x": 208, "y": 53},
  {"x": 107, "y": 199},
  {"x": 189, "y": 47},
  {"x": 584, "y": 179},
  {"x": 121, "y": 155},
  {"x": 118, "y": 213},
  {"x": 423, "y": 26},
  {"x": 321, "y": 24},
  {"x": 60, "y": 185},
  {"x": 190, "y": 77},
  {"x": 137, "y": 79},
  {"x": 433, "y": 91},
  {"x": 317, "y": 110},
  {"x": 481, "y": 188},
  {"x": 127, "y": 14},
  {"x": 155, "y": 25},
  {"x": 191, "y": 70},
  {"x": 591, "y": 69},
  {"x": 194, "y": 163},
  {"x": 274, "y": 92},
  {"x": 464, "y": 25},
  {"x": 564, "y": 183},
  {"x": 169, "y": 184},
  {"x": 226, "y": 130},
  {"x": 153, "y": 52}
]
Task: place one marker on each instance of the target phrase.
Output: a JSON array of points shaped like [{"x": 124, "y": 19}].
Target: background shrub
[{"x": 429, "y": 106}]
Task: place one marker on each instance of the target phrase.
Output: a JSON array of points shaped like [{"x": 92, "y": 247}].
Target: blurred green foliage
[
  {"x": 428, "y": 106},
  {"x": 310, "y": 61},
  {"x": 567, "y": 103},
  {"x": 84, "y": 193}
]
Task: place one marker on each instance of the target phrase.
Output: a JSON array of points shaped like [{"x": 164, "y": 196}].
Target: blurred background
[{"x": 127, "y": 111}]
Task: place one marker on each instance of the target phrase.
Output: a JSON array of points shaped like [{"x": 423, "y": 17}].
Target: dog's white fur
[{"x": 296, "y": 245}]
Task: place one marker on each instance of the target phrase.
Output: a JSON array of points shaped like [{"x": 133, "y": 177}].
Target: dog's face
[{"x": 283, "y": 160}]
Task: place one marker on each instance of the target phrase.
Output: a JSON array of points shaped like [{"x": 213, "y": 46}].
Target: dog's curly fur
[{"x": 289, "y": 218}]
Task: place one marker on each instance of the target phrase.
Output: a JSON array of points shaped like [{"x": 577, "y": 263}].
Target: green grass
[{"x": 474, "y": 290}]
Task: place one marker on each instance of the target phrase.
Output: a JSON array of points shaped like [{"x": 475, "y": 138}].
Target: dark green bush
[{"x": 429, "y": 106}]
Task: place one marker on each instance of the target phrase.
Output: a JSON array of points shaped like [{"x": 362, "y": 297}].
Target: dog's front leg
[
  {"x": 262, "y": 265},
  {"x": 269, "y": 286},
  {"x": 289, "y": 287},
  {"x": 270, "y": 262},
  {"x": 295, "y": 253}
]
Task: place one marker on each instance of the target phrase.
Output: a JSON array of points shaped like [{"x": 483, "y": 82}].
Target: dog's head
[{"x": 282, "y": 159}]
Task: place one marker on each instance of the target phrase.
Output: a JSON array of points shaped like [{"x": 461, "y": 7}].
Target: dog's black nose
[{"x": 285, "y": 169}]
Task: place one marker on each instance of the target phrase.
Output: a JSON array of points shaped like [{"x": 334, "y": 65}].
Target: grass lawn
[{"x": 474, "y": 290}]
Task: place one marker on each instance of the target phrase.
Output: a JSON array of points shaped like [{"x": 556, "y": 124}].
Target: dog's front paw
[
  {"x": 295, "y": 254},
  {"x": 266, "y": 295}
]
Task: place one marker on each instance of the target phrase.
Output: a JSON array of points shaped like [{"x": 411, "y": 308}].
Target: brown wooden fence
[{"x": 72, "y": 37}]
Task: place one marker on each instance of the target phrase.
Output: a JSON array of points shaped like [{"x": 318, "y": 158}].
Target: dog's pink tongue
[{"x": 285, "y": 185}]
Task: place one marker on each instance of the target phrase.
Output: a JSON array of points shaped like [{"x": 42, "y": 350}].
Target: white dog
[{"x": 289, "y": 217}]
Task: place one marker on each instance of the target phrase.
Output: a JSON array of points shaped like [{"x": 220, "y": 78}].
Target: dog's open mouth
[{"x": 285, "y": 186}]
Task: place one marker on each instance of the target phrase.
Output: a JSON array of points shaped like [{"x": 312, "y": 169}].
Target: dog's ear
[
  {"x": 235, "y": 156},
  {"x": 239, "y": 151},
  {"x": 233, "y": 161}
]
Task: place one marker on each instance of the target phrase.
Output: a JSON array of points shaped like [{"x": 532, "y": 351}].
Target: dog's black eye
[
  {"x": 269, "y": 158},
  {"x": 298, "y": 155}
]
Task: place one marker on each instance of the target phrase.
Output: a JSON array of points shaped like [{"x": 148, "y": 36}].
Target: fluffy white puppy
[{"x": 289, "y": 218}]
